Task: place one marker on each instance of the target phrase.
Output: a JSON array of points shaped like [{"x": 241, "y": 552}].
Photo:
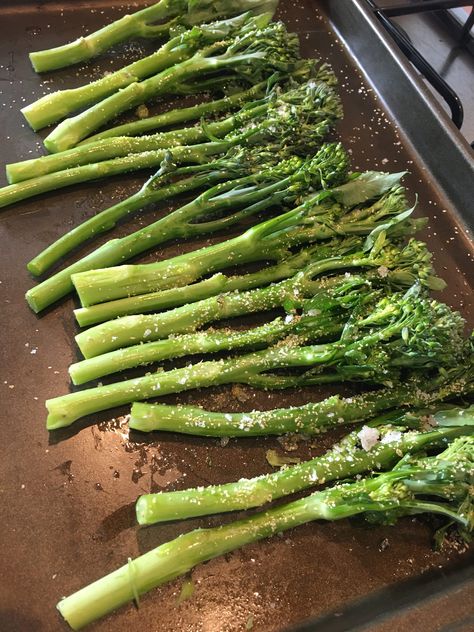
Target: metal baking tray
[{"x": 67, "y": 498}]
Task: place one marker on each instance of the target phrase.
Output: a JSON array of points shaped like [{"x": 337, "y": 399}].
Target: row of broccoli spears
[{"x": 345, "y": 267}]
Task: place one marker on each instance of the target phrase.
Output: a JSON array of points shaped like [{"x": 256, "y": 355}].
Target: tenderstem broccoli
[
  {"x": 57, "y": 105},
  {"x": 221, "y": 283},
  {"x": 440, "y": 484},
  {"x": 417, "y": 390},
  {"x": 400, "y": 332},
  {"x": 153, "y": 22},
  {"x": 297, "y": 128},
  {"x": 251, "y": 55},
  {"x": 332, "y": 297},
  {"x": 315, "y": 94},
  {"x": 389, "y": 438},
  {"x": 305, "y": 70},
  {"x": 316, "y": 219},
  {"x": 222, "y": 205},
  {"x": 132, "y": 330}
]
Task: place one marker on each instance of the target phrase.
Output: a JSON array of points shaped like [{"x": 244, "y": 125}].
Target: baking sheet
[{"x": 67, "y": 498}]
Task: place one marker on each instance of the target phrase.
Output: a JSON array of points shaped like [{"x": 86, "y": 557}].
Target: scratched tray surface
[{"x": 67, "y": 499}]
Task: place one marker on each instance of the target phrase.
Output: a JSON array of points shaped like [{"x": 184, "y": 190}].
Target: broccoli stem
[
  {"x": 66, "y": 409},
  {"x": 143, "y": 23},
  {"x": 132, "y": 330},
  {"x": 345, "y": 460},
  {"x": 309, "y": 419},
  {"x": 178, "y": 556},
  {"x": 174, "y": 297},
  {"x": 181, "y": 115},
  {"x": 390, "y": 494},
  {"x": 154, "y": 190},
  {"x": 266, "y": 241},
  {"x": 278, "y": 184},
  {"x": 85, "y": 48},
  {"x": 57, "y": 105},
  {"x": 372, "y": 347},
  {"x": 74, "y": 129},
  {"x": 121, "y": 146},
  {"x": 134, "y": 162},
  {"x": 190, "y": 344}
]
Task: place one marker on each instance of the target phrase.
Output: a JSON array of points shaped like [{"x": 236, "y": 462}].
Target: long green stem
[
  {"x": 309, "y": 419},
  {"x": 119, "y": 147},
  {"x": 155, "y": 189},
  {"x": 131, "y": 330},
  {"x": 64, "y": 410},
  {"x": 100, "y": 285},
  {"x": 345, "y": 460},
  {"x": 174, "y": 558},
  {"x": 266, "y": 241},
  {"x": 181, "y": 115},
  {"x": 74, "y": 129},
  {"x": 402, "y": 330},
  {"x": 234, "y": 200},
  {"x": 134, "y": 162},
  {"x": 177, "y": 557},
  {"x": 195, "y": 343},
  {"x": 85, "y": 48},
  {"x": 144, "y": 23},
  {"x": 174, "y": 297},
  {"x": 57, "y": 105}
]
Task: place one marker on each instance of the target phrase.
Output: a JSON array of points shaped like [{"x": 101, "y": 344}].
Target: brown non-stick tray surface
[{"x": 66, "y": 509}]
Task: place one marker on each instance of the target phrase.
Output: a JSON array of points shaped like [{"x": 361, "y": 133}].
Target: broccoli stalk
[
  {"x": 305, "y": 70},
  {"x": 216, "y": 284},
  {"x": 320, "y": 217},
  {"x": 220, "y": 283},
  {"x": 223, "y": 205},
  {"x": 132, "y": 330},
  {"x": 270, "y": 240},
  {"x": 57, "y": 105},
  {"x": 104, "y": 345},
  {"x": 250, "y": 55},
  {"x": 167, "y": 183},
  {"x": 401, "y": 331},
  {"x": 196, "y": 343},
  {"x": 178, "y": 115},
  {"x": 439, "y": 484},
  {"x": 324, "y": 101},
  {"x": 148, "y": 23},
  {"x": 309, "y": 419},
  {"x": 295, "y": 126},
  {"x": 395, "y": 435}
]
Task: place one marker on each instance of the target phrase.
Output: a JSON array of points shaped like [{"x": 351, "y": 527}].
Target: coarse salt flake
[{"x": 368, "y": 437}]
